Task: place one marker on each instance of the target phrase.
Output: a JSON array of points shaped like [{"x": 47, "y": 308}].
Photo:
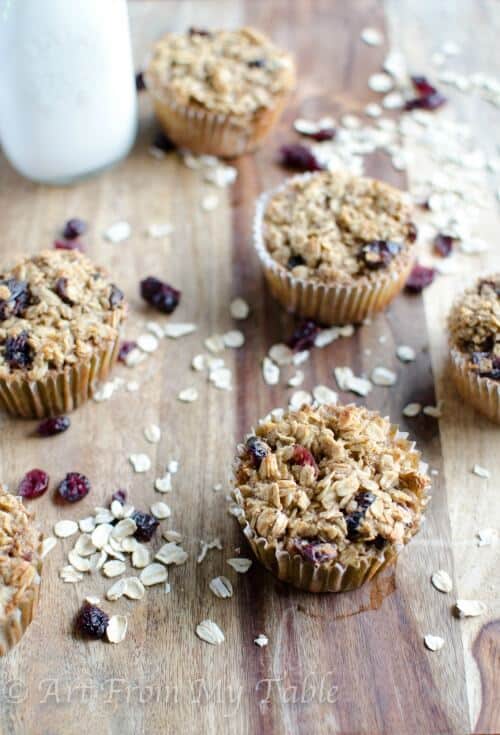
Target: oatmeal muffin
[
  {"x": 335, "y": 247},
  {"x": 474, "y": 336},
  {"x": 219, "y": 92},
  {"x": 20, "y": 567},
  {"x": 59, "y": 331},
  {"x": 328, "y": 496}
]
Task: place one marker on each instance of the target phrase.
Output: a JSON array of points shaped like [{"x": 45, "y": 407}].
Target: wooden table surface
[{"x": 350, "y": 664}]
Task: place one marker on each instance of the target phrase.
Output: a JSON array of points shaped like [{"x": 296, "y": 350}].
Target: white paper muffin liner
[
  {"x": 326, "y": 303},
  {"x": 13, "y": 626},
  {"x": 482, "y": 393}
]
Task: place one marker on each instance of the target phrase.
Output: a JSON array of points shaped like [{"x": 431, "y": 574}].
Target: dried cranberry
[
  {"x": 146, "y": 525},
  {"x": 323, "y": 134},
  {"x": 423, "y": 86},
  {"x": 316, "y": 551},
  {"x": 304, "y": 335},
  {"x": 18, "y": 352},
  {"x": 379, "y": 542},
  {"x": 294, "y": 261},
  {"x": 257, "y": 450},
  {"x": 163, "y": 142},
  {"x": 34, "y": 483},
  {"x": 419, "y": 278},
  {"x": 74, "y": 228},
  {"x": 161, "y": 295},
  {"x": 120, "y": 495},
  {"x": 443, "y": 245},
  {"x": 353, "y": 520},
  {"x": 412, "y": 231},
  {"x": 18, "y": 300},
  {"x": 92, "y": 621},
  {"x": 69, "y": 245},
  {"x": 61, "y": 289},
  {"x": 74, "y": 487},
  {"x": 299, "y": 158},
  {"x": 140, "y": 84},
  {"x": 488, "y": 364},
  {"x": 431, "y": 102},
  {"x": 115, "y": 296},
  {"x": 53, "y": 426},
  {"x": 256, "y": 63},
  {"x": 379, "y": 253},
  {"x": 302, "y": 456},
  {"x": 125, "y": 348}
]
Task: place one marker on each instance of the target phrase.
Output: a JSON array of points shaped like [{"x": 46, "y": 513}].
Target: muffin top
[
  {"x": 332, "y": 484},
  {"x": 337, "y": 227},
  {"x": 55, "y": 308},
  {"x": 19, "y": 552},
  {"x": 230, "y": 72},
  {"x": 474, "y": 326}
]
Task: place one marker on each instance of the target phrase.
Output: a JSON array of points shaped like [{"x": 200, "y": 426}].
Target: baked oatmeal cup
[
  {"x": 474, "y": 337},
  {"x": 334, "y": 247},
  {"x": 60, "y": 319},
  {"x": 219, "y": 92},
  {"x": 20, "y": 569},
  {"x": 328, "y": 496}
]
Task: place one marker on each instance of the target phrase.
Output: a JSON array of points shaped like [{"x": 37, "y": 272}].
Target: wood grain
[{"x": 349, "y": 664}]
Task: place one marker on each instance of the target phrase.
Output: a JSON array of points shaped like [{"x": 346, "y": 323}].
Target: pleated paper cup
[
  {"x": 482, "y": 393},
  {"x": 204, "y": 132},
  {"x": 14, "y": 625},
  {"x": 327, "y": 303},
  {"x": 59, "y": 391}
]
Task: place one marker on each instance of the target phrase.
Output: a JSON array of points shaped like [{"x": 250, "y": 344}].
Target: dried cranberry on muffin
[
  {"x": 335, "y": 247},
  {"x": 474, "y": 337},
  {"x": 219, "y": 92},
  {"x": 328, "y": 496},
  {"x": 60, "y": 319},
  {"x": 20, "y": 568}
]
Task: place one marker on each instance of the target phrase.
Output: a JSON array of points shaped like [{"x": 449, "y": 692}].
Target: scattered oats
[
  {"x": 210, "y": 632},
  {"x": 373, "y": 110},
  {"x": 281, "y": 354},
  {"x": 399, "y": 162},
  {"x": 135, "y": 357},
  {"x": 450, "y": 48},
  {"x": 351, "y": 122},
  {"x": 393, "y": 101},
  {"x": 171, "y": 553},
  {"x": 155, "y": 329},
  {"x": 433, "y": 642},
  {"x": 326, "y": 337},
  {"x": 372, "y": 36},
  {"x": 116, "y": 590},
  {"x": 160, "y": 511},
  {"x": 296, "y": 379},
  {"x": 240, "y": 564},
  {"x": 164, "y": 484},
  {"x": 239, "y": 309},
  {"x": 473, "y": 247},
  {"x": 405, "y": 353},
  {"x": 435, "y": 472},
  {"x": 116, "y": 509},
  {"x": 152, "y": 433},
  {"x": 261, "y": 641},
  {"x": 129, "y": 544},
  {"x": 167, "y": 587},
  {"x": 140, "y": 462},
  {"x": 70, "y": 575},
  {"x": 221, "y": 378},
  {"x": 215, "y": 343},
  {"x": 118, "y": 232},
  {"x": 78, "y": 562},
  {"x": 481, "y": 472},
  {"x": 153, "y": 574},
  {"x": 412, "y": 409},
  {"x": 84, "y": 545},
  {"x": 487, "y": 537},
  {"x": 234, "y": 338},
  {"x": 221, "y": 175},
  {"x": 441, "y": 580},
  {"x": 64, "y": 529},
  {"x": 134, "y": 589},
  {"x": 48, "y": 544},
  {"x": 380, "y": 82},
  {"x": 160, "y": 229},
  {"x": 172, "y": 535},
  {"x": 104, "y": 392},
  {"x": 215, "y": 363},
  {"x": 207, "y": 546},
  {"x": 141, "y": 557},
  {"x": 434, "y": 411},
  {"x": 174, "y": 330},
  {"x": 87, "y": 525},
  {"x": 117, "y": 628},
  {"x": 210, "y": 202},
  {"x": 300, "y": 357},
  {"x": 324, "y": 395},
  {"x": 92, "y": 600},
  {"x": 97, "y": 560},
  {"x": 217, "y": 488},
  {"x": 113, "y": 568},
  {"x": 347, "y": 330},
  {"x": 156, "y": 153},
  {"x": 188, "y": 395},
  {"x": 395, "y": 65},
  {"x": 347, "y": 381},
  {"x": 305, "y": 127},
  {"x": 438, "y": 59},
  {"x": 101, "y": 534},
  {"x": 270, "y": 371},
  {"x": 470, "y": 608},
  {"x": 198, "y": 363},
  {"x": 103, "y": 515},
  {"x": 384, "y": 377},
  {"x": 221, "y": 587},
  {"x": 147, "y": 342},
  {"x": 299, "y": 399},
  {"x": 124, "y": 528}
]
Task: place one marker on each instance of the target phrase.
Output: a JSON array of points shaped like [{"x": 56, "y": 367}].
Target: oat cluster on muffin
[
  {"x": 335, "y": 227},
  {"x": 20, "y": 566},
  {"x": 336, "y": 486}
]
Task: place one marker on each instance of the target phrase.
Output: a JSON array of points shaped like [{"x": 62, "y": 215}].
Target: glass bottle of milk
[{"x": 68, "y": 105}]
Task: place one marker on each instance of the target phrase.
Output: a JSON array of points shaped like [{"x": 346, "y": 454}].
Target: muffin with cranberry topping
[
  {"x": 219, "y": 92},
  {"x": 474, "y": 336},
  {"x": 328, "y": 496},
  {"x": 335, "y": 247},
  {"x": 60, "y": 320},
  {"x": 20, "y": 568}
]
